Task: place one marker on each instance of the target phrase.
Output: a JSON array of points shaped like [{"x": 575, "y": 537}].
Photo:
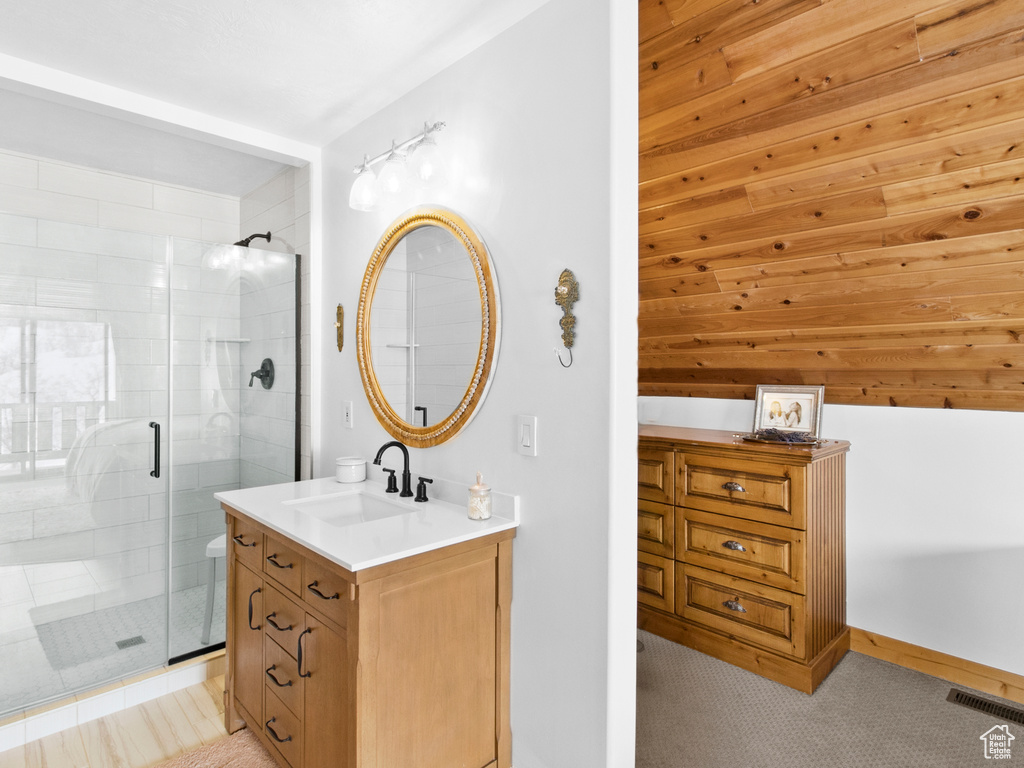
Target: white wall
[
  {"x": 531, "y": 118},
  {"x": 935, "y": 530}
]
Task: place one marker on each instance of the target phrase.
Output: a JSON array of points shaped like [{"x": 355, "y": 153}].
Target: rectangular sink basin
[{"x": 349, "y": 508}]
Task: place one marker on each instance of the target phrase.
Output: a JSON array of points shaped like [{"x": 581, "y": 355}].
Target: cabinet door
[
  {"x": 324, "y": 662},
  {"x": 246, "y": 649},
  {"x": 656, "y": 474}
]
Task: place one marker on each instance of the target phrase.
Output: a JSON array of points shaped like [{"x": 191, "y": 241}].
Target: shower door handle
[{"x": 156, "y": 449}]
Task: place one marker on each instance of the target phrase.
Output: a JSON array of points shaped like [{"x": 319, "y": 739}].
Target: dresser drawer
[
  {"x": 769, "y": 554},
  {"x": 247, "y": 543},
  {"x": 654, "y": 581},
  {"x": 283, "y": 729},
  {"x": 656, "y": 475},
  {"x": 284, "y": 564},
  {"x": 281, "y": 676},
  {"x": 655, "y": 528},
  {"x": 761, "y": 491},
  {"x": 326, "y": 591},
  {"x": 284, "y": 619},
  {"x": 757, "y": 614}
]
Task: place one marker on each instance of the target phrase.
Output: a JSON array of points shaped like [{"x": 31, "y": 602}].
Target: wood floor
[{"x": 139, "y": 737}]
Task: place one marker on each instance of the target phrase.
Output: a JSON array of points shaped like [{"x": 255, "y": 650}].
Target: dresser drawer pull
[
  {"x": 271, "y": 732},
  {"x": 734, "y": 605},
  {"x": 251, "y": 596},
  {"x": 273, "y": 561},
  {"x": 735, "y": 546},
  {"x": 313, "y": 588},
  {"x": 278, "y": 683},
  {"x": 275, "y": 625},
  {"x": 733, "y": 486},
  {"x": 238, "y": 538}
]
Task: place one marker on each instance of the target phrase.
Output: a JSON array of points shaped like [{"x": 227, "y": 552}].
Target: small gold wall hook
[{"x": 339, "y": 325}]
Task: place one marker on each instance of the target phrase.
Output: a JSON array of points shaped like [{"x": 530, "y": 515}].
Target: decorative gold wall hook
[
  {"x": 567, "y": 293},
  {"x": 339, "y": 325}
]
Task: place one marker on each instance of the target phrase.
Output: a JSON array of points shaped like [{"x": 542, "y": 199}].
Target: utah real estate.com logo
[{"x": 997, "y": 742}]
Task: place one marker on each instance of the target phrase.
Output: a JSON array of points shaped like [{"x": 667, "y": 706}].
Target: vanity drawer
[
  {"x": 284, "y": 564},
  {"x": 247, "y": 543},
  {"x": 655, "y": 474},
  {"x": 283, "y": 729},
  {"x": 654, "y": 581},
  {"x": 752, "y": 612},
  {"x": 285, "y": 620},
  {"x": 281, "y": 674},
  {"x": 769, "y": 554},
  {"x": 761, "y": 491},
  {"x": 655, "y": 529},
  {"x": 326, "y": 591}
]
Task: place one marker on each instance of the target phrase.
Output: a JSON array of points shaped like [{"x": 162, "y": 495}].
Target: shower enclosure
[{"x": 125, "y": 365}]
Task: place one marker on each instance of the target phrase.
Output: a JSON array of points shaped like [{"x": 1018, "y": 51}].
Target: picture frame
[{"x": 789, "y": 409}]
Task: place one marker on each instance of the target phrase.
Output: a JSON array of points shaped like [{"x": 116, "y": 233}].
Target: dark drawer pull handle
[
  {"x": 277, "y": 682},
  {"x": 273, "y": 561},
  {"x": 735, "y": 546},
  {"x": 313, "y": 588},
  {"x": 254, "y": 593},
  {"x": 308, "y": 674},
  {"x": 734, "y": 605},
  {"x": 271, "y": 732},
  {"x": 238, "y": 538},
  {"x": 731, "y": 486},
  {"x": 275, "y": 625}
]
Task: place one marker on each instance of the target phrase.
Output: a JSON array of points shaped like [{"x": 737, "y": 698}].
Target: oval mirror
[{"x": 427, "y": 326}]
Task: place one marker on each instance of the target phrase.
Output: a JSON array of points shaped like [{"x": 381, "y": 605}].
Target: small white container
[
  {"x": 479, "y": 499},
  {"x": 350, "y": 469}
]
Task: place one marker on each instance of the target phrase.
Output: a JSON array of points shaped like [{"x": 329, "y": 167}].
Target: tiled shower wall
[
  {"x": 282, "y": 207},
  {"x": 90, "y": 247}
]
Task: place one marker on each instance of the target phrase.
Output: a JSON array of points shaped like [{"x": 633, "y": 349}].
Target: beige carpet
[
  {"x": 694, "y": 711},
  {"x": 239, "y": 750}
]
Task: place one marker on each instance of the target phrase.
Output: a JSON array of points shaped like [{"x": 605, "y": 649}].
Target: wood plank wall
[{"x": 832, "y": 192}]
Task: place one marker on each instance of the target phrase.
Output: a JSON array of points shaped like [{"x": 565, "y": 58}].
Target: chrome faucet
[{"x": 406, "y": 475}]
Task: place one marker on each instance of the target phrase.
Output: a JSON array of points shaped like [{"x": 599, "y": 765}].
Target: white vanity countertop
[{"x": 437, "y": 523}]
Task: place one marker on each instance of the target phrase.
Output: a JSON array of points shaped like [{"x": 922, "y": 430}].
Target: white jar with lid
[
  {"x": 479, "y": 499},
  {"x": 350, "y": 469}
]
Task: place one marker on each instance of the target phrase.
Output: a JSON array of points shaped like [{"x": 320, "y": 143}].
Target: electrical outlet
[{"x": 348, "y": 414}]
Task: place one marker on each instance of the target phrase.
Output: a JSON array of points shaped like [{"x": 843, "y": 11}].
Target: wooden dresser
[{"x": 741, "y": 550}]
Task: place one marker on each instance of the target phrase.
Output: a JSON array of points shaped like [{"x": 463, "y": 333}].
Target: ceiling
[{"x": 305, "y": 70}]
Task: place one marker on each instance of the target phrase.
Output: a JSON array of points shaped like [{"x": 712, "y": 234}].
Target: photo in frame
[{"x": 789, "y": 409}]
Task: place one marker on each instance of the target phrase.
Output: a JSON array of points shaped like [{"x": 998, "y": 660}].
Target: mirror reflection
[{"x": 425, "y": 326}]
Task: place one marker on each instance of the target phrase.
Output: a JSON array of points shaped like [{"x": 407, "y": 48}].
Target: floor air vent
[
  {"x": 997, "y": 710},
  {"x": 137, "y": 640}
]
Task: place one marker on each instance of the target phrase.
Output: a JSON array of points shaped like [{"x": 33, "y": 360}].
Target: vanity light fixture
[{"x": 426, "y": 167}]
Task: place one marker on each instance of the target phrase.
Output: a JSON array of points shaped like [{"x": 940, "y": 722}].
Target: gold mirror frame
[{"x": 476, "y": 251}]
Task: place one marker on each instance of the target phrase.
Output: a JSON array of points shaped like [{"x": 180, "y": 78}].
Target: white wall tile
[
  {"x": 51, "y": 722},
  {"x": 19, "y": 171},
  {"x": 145, "y": 690},
  {"x": 17, "y": 230},
  {"x": 190, "y": 202},
  {"x": 220, "y": 231},
  {"x": 96, "y": 185},
  {"x": 144, "y": 220},
  {"x": 107, "y": 242},
  {"x": 101, "y": 705},
  {"x": 48, "y": 205},
  {"x": 267, "y": 195}
]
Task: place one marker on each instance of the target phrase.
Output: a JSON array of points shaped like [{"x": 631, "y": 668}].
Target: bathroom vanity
[{"x": 365, "y": 630}]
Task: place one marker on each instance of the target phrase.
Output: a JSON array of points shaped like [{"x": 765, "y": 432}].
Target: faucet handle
[
  {"x": 421, "y": 489},
  {"x": 392, "y": 483}
]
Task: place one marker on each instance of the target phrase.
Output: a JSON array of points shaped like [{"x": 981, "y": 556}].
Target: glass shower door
[
  {"x": 232, "y": 307},
  {"x": 83, "y": 526}
]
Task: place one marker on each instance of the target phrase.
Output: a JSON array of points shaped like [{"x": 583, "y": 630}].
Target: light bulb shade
[
  {"x": 426, "y": 164},
  {"x": 363, "y": 195},
  {"x": 391, "y": 178}
]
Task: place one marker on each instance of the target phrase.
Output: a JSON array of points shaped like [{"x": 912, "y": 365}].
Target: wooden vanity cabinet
[
  {"x": 405, "y": 663},
  {"x": 741, "y": 555}
]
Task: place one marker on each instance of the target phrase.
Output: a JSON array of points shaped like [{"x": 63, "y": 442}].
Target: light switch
[{"x": 526, "y": 435}]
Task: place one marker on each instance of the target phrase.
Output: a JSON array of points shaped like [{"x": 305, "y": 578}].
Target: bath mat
[{"x": 239, "y": 750}]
